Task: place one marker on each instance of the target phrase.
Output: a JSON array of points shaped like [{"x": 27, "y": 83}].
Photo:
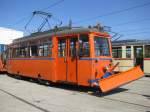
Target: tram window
[
  {"x": 45, "y": 49},
  {"x": 73, "y": 47},
  {"x": 23, "y": 52},
  {"x": 84, "y": 49},
  {"x": 101, "y": 46},
  {"x": 62, "y": 48},
  {"x": 48, "y": 48},
  {"x": 9, "y": 51},
  {"x": 41, "y": 50},
  {"x": 34, "y": 51},
  {"x": 19, "y": 52},
  {"x": 16, "y": 52}
]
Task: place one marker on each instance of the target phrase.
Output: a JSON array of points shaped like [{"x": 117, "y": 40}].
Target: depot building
[{"x": 130, "y": 53}]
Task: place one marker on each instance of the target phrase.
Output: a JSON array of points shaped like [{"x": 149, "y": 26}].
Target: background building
[{"x": 130, "y": 53}]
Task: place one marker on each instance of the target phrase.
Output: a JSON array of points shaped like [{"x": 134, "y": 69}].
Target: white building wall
[
  {"x": 7, "y": 35},
  {"x": 123, "y": 51},
  {"x": 132, "y": 52},
  {"x": 147, "y": 66},
  {"x": 124, "y": 62}
]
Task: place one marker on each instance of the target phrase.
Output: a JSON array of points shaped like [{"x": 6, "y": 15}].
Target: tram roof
[{"x": 57, "y": 32}]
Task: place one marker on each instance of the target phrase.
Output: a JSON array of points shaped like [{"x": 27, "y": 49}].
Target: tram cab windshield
[{"x": 101, "y": 46}]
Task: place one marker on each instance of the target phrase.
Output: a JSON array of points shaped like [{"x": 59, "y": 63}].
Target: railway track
[
  {"x": 24, "y": 101},
  {"x": 44, "y": 110},
  {"x": 85, "y": 91},
  {"x": 101, "y": 95}
]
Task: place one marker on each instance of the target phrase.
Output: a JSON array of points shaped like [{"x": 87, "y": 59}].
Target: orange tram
[
  {"x": 80, "y": 56},
  {"x": 1, "y": 66}
]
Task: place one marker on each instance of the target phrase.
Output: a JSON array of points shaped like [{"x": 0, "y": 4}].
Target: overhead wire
[
  {"x": 99, "y": 16},
  {"x": 29, "y": 16},
  {"x": 116, "y": 12},
  {"x": 135, "y": 29},
  {"x": 20, "y": 20},
  {"x": 29, "y": 22},
  {"x": 56, "y": 19},
  {"x": 52, "y": 5},
  {"x": 130, "y": 22},
  {"x": 112, "y": 13},
  {"x": 142, "y": 29},
  {"x": 137, "y": 33}
]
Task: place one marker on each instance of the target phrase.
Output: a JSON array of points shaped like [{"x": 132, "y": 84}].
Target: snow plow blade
[{"x": 120, "y": 79}]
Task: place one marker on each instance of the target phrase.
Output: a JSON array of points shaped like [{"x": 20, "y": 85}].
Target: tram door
[
  {"x": 72, "y": 60},
  {"x": 67, "y": 59}
]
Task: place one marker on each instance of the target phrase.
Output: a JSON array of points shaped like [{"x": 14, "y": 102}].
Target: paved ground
[{"x": 24, "y": 96}]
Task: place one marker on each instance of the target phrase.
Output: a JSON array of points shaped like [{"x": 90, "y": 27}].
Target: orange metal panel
[
  {"x": 31, "y": 67},
  {"x": 72, "y": 70},
  {"x": 119, "y": 79},
  {"x": 61, "y": 69},
  {"x": 84, "y": 72},
  {"x": 1, "y": 65}
]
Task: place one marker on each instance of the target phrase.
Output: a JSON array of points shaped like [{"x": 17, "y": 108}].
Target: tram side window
[
  {"x": 23, "y": 52},
  {"x": 16, "y": 52},
  {"x": 9, "y": 51},
  {"x": 34, "y": 51},
  {"x": 62, "y": 48},
  {"x": 48, "y": 48},
  {"x": 84, "y": 48},
  {"x": 20, "y": 52},
  {"x": 41, "y": 50},
  {"x": 45, "y": 49}
]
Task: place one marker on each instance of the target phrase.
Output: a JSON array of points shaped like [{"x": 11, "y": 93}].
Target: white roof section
[{"x": 8, "y": 35}]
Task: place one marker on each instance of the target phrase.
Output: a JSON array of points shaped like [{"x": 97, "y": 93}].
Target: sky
[
  {"x": 133, "y": 23},
  {"x": 8, "y": 35}
]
